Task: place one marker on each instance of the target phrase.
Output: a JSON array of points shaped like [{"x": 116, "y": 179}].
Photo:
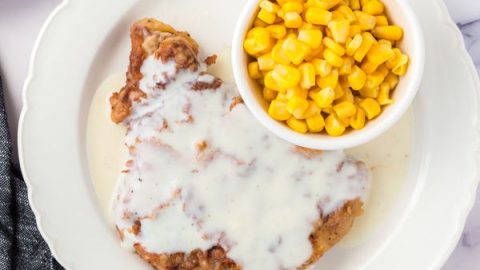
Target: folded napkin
[{"x": 21, "y": 245}]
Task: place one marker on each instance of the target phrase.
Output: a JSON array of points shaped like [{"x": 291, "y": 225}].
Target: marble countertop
[{"x": 26, "y": 17}]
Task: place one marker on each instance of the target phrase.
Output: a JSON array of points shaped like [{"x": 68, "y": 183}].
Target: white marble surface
[{"x": 21, "y": 20}]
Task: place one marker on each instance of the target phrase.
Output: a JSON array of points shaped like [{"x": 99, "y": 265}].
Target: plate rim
[{"x": 460, "y": 50}]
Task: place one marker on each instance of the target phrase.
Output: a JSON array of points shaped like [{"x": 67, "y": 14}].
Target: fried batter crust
[{"x": 149, "y": 36}]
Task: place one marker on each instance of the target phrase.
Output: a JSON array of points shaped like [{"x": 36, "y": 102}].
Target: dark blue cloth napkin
[{"x": 21, "y": 245}]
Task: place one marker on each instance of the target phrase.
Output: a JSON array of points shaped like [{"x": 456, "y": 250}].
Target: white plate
[{"x": 85, "y": 40}]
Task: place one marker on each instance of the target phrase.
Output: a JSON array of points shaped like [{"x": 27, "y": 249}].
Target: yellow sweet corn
[
  {"x": 374, "y": 79},
  {"x": 292, "y": 20},
  {"x": 254, "y": 70},
  {"x": 331, "y": 80},
  {"x": 327, "y": 4},
  {"x": 354, "y": 44},
  {"x": 278, "y": 55},
  {"x": 354, "y": 4},
  {"x": 311, "y": 111},
  {"x": 399, "y": 63},
  {"x": 369, "y": 92},
  {"x": 258, "y": 41},
  {"x": 296, "y": 92},
  {"x": 295, "y": 50},
  {"x": 266, "y": 62},
  {"x": 308, "y": 75},
  {"x": 334, "y": 126},
  {"x": 373, "y": 7},
  {"x": 277, "y": 31},
  {"x": 392, "y": 80},
  {"x": 278, "y": 110},
  {"x": 347, "y": 96},
  {"x": 297, "y": 106},
  {"x": 355, "y": 29},
  {"x": 340, "y": 30},
  {"x": 347, "y": 66},
  {"x": 338, "y": 16},
  {"x": 334, "y": 46},
  {"x": 259, "y": 23},
  {"x": 271, "y": 83},
  {"x": 269, "y": 94},
  {"x": 391, "y": 32},
  {"x": 315, "y": 123},
  {"x": 285, "y": 76},
  {"x": 383, "y": 71},
  {"x": 317, "y": 15},
  {"x": 315, "y": 53},
  {"x": 266, "y": 16},
  {"x": 312, "y": 37},
  {"x": 347, "y": 13},
  {"x": 357, "y": 78},
  {"x": 384, "y": 94},
  {"x": 324, "y": 98},
  {"x": 358, "y": 120},
  {"x": 369, "y": 67},
  {"x": 381, "y": 20},
  {"x": 339, "y": 92},
  {"x": 366, "y": 21},
  {"x": 297, "y": 125},
  {"x": 269, "y": 6},
  {"x": 367, "y": 43},
  {"x": 322, "y": 67},
  {"x": 345, "y": 109},
  {"x": 332, "y": 58},
  {"x": 371, "y": 107},
  {"x": 402, "y": 69},
  {"x": 292, "y": 6},
  {"x": 379, "y": 53}
]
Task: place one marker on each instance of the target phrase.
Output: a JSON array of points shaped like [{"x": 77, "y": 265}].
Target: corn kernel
[
  {"x": 292, "y": 7},
  {"x": 285, "y": 76},
  {"x": 388, "y": 43},
  {"x": 357, "y": 78},
  {"x": 392, "y": 80},
  {"x": 269, "y": 6},
  {"x": 382, "y": 70},
  {"x": 315, "y": 53},
  {"x": 322, "y": 67},
  {"x": 345, "y": 109},
  {"x": 296, "y": 92},
  {"x": 278, "y": 110},
  {"x": 292, "y": 20},
  {"x": 383, "y": 95},
  {"x": 271, "y": 83},
  {"x": 327, "y": 4},
  {"x": 312, "y": 37},
  {"x": 374, "y": 80},
  {"x": 316, "y": 15},
  {"x": 332, "y": 58},
  {"x": 328, "y": 110},
  {"x": 380, "y": 53},
  {"x": 347, "y": 13},
  {"x": 297, "y": 125},
  {"x": 266, "y": 62},
  {"x": 391, "y": 32},
  {"x": 340, "y": 30},
  {"x": 381, "y": 20},
  {"x": 266, "y": 16},
  {"x": 308, "y": 75},
  {"x": 315, "y": 123},
  {"x": 354, "y": 44},
  {"x": 355, "y": 4},
  {"x": 358, "y": 121},
  {"x": 258, "y": 41},
  {"x": 371, "y": 107},
  {"x": 339, "y": 92},
  {"x": 297, "y": 106},
  {"x": 399, "y": 63},
  {"x": 402, "y": 69},
  {"x": 277, "y": 31},
  {"x": 254, "y": 70},
  {"x": 369, "y": 67},
  {"x": 348, "y": 96},
  {"x": 347, "y": 66},
  {"x": 373, "y": 7},
  {"x": 355, "y": 29},
  {"x": 312, "y": 110},
  {"x": 331, "y": 80},
  {"x": 334, "y": 46},
  {"x": 369, "y": 92},
  {"x": 334, "y": 126},
  {"x": 295, "y": 50},
  {"x": 367, "y": 43},
  {"x": 259, "y": 23},
  {"x": 269, "y": 94},
  {"x": 324, "y": 98},
  {"x": 366, "y": 22},
  {"x": 278, "y": 55}
]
